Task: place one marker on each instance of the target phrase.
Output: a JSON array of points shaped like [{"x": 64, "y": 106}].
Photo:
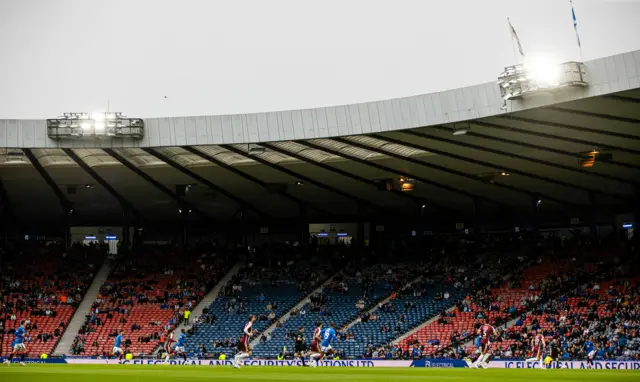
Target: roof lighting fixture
[
  {"x": 461, "y": 128},
  {"x": 589, "y": 158},
  {"x": 407, "y": 184},
  {"x": 255, "y": 149},
  {"x": 540, "y": 74},
  {"x": 94, "y": 126}
]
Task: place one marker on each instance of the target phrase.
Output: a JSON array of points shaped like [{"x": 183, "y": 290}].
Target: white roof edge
[{"x": 606, "y": 75}]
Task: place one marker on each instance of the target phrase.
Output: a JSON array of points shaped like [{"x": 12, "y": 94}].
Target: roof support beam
[
  {"x": 572, "y": 127},
  {"x": 445, "y": 169},
  {"x": 505, "y": 168},
  {"x": 339, "y": 171},
  {"x": 302, "y": 177},
  {"x": 193, "y": 175},
  {"x": 183, "y": 203},
  {"x": 263, "y": 184},
  {"x": 543, "y": 148},
  {"x": 124, "y": 203},
  {"x": 592, "y": 144},
  {"x": 600, "y": 116},
  {"x": 397, "y": 172},
  {"x": 67, "y": 206},
  {"x": 622, "y": 98}
]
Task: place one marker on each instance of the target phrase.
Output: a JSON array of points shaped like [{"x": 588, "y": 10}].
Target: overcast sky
[{"x": 194, "y": 57}]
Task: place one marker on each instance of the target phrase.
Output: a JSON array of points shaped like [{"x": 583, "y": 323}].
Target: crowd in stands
[
  {"x": 605, "y": 312},
  {"x": 535, "y": 289},
  {"x": 275, "y": 278},
  {"x": 42, "y": 284},
  {"x": 569, "y": 290},
  {"x": 147, "y": 295}
]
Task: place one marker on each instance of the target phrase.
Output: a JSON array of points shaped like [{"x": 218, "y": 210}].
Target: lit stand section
[{"x": 95, "y": 126}]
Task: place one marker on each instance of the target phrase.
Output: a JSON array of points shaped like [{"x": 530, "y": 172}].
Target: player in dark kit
[
  {"x": 555, "y": 351},
  {"x": 244, "y": 350},
  {"x": 315, "y": 345},
  {"x": 301, "y": 345}
]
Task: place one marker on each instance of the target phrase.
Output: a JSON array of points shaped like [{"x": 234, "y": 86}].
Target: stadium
[{"x": 457, "y": 234}]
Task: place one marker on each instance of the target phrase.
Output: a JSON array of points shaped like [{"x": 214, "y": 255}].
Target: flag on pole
[
  {"x": 514, "y": 35},
  {"x": 575, "y": 23}
]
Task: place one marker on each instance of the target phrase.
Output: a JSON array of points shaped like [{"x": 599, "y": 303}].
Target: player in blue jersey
[
  {"x": 117, "y": 346},
  {"x": 179, "y": 349},
  {"x": 470, "y": 360},
  {"x": 326, "y": 336},
  {"x": 591, "y": 353},
  {"x": 18, "y": 345}
]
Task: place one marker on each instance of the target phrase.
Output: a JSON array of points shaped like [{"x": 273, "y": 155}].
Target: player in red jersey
[
  {"x": 538, "y": 345},
  {"x": 315, "y": 346},
  {"x": 485, "y": 332},
  {"x": 244, "y": 350},
  {"x": 167, "y": 345}
]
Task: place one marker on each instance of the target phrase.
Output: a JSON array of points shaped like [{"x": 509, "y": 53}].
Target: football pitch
[{"x": 158, "y": 373}]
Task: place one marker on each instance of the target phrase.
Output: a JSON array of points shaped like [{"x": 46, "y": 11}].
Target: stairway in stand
[{"x": 64, "y": 346}]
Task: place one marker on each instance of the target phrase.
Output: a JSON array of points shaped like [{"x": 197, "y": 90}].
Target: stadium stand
[
  {"x": 265, "y": 289},
  {"x": 537, "y": 285},
  {"x": 604, "y": 311},
  {"x": 43, "y": 285},
  {"x": 341, "y": 302},
  {"x": 145, "y": 296}
]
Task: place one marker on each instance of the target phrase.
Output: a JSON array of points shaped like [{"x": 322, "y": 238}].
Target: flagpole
[
  {"x": 575, "y": 28},
  {"x": 513, "y": 43}
]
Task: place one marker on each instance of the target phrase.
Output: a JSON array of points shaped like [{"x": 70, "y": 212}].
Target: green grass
[{"x": 160, "y": 373}]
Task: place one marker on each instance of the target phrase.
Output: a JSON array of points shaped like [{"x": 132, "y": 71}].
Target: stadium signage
[
  {"x": 607, "y": 365},
  {"x": 430, "y": 363}
]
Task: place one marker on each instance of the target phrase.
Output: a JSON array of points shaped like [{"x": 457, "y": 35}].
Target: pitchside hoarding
[{"x": 430, "y": 363}]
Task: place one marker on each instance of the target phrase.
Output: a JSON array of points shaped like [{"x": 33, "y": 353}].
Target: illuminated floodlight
[
  {"x": 543, "y": 70},
  {"x": 95, "y": 125},
  {"x": 540, "y": 74}
]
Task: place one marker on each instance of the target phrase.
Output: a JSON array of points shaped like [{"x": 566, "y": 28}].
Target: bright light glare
[
  {"x": 543, "y": 70},
  {"x": 85, "y": 126},
  {"x": 98, "y": 116},
  {"x": 99, "y": 126}
]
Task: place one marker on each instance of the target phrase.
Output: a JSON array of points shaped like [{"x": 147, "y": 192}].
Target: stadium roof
[{"x": 332, "y": 162}]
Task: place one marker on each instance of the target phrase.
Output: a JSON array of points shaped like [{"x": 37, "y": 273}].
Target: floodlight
[
  {"x": 95, "y": 125},
  {"x": 540, "y": 74},
  {"x": 543, "y": 70}
]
